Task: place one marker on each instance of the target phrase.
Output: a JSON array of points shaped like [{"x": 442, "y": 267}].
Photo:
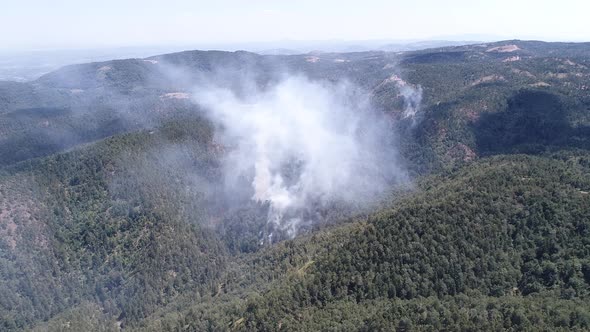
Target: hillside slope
[
  {"x": 465, "y": 88},
  {"x": 114, "y": 214},
  {"x": 500, "y": 244}
]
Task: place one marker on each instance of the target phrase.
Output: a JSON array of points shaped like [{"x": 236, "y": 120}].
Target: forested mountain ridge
[
  {"x": 461, "y": 85},
  {"x": 522, "y": 259},
  {"x": 112, "y": 209}
]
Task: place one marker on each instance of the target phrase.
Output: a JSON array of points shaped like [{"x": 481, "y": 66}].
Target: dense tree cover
[
  {"x": 103, "y": 224},
  {"x": 481, "y": 104},
  {"x": 533, "y": 122},
  {"x": 135, "y": 231},
  {"x": 508, "y": 229},
  {"x": 501, "y": 244}
]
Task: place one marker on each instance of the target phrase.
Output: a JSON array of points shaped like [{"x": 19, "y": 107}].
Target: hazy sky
[{"x": 83, "y": 23}]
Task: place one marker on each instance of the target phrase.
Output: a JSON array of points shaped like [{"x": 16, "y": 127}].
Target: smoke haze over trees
[{"x": 434, "y": 189}]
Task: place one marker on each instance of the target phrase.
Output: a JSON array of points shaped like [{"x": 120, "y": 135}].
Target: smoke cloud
[
  {"x": 412, "y": 98},
  {"x": 301, "y": 144}
]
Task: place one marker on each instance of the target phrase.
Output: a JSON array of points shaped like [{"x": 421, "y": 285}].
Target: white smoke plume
[
  {"x": 302, "y": 143},
  {"x": 412, "y": 98}
]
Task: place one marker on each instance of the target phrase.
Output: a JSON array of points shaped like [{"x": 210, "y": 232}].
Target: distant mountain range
[{"x": 28, "y": 65}]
